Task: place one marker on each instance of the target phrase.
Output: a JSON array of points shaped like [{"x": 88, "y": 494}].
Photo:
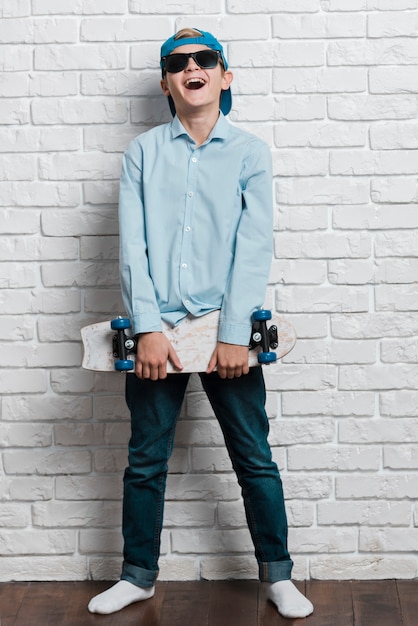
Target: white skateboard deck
[{"x": 194, "y": 340}]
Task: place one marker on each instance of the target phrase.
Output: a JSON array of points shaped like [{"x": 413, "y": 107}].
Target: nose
[{"x": 191, "y": 64}]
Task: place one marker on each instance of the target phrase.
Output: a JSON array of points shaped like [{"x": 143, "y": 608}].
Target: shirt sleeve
[
  {"x": 253, "y": 249},
  {"x": 137, "y": 288}
]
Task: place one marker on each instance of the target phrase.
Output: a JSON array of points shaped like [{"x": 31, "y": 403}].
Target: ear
[
  {"x": 164, "y": 87},
  {"x": 227, "y": 79}
]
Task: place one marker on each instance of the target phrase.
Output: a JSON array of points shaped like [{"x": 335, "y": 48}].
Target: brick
[
  {"x": 351, "y": 272},
  {"x": 322, "y": 245},
  {"x": 43, "y": 568},
  {"x": 25, "y": 435},
  {"x": 122, "y": 83},
  {"x": 338, "y": 352},
  {"x": 316, "y": 190},
  {"x": 131, "y": 29},
  {"x": 78, "y": 7},
  {"x": 397, "y": 243},
  {"x": 29, "y": 249},
  {"x": 395, "y": 298},
  {"x": 379, "y": 431},
  {"x": 315, "y": 540},
  {"x": 79, "y": 223},
  {"x": 303, "y": 431},
  {"x": 17, "y": 278},
  {"x": 78, "y": 111},
  {"x": 372, "y": 107},
  {"x": 362, "y": 567},
  {"x": 400, "y": 457},
  {"x": 47, "y": 463},
  {"x": 76, "y": 514},
  {"x": 14, "y": 515},
  {"x": 392, "y": 487},
  {"x": 364, "y": 163},
  {"x": 366, "y": 513},
  {"x": 335, "y": 299},
  {"x": 39, "y": 140},
  {"x": 371, "y": 5},
  {"x": 15, "y": 8},
  {"x": 14, "y": 59},
  {"x": 39, "y": 194},
  {"x": 81, "y": 57},
  {"x": 393, "y": 190},
  {"x": 393, "y": 80},
  {"x": 299, "y": 163},
  {"x": 369, "y": 52},
  {"x": 388, "y": 539},
  {"x": 272, "y": 6},
  {"x": 103, "y": 541},
  {"x": 91, "y": 166},
  {"x": 307, "y": 272},
  {"x": 386, "y": 217},
  {"x": 14, "y": 111},
  {"x": 230, "y": 567},
  {"x": 319, "y": 135},
  {"x": 374, "y": 325},
  {"x": 324, "y": 80},
  {"x": 402, "y": 24},
  {"x": 170, "y": 6},
  {"x": 378, "y": 377},
  {"x": 399, "y": 403},
  {"x": 35, "y": 381},
  {"x": 302, "y": 218},
  {"x": 36, "y": 542},
  {"x": 320, "y": 25},
  {"x": 300, "y": 107},
  {"x": 327, "y": 403}
]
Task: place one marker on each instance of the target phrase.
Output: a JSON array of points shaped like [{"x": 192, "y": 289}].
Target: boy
[{"x": 196, "y": 234}]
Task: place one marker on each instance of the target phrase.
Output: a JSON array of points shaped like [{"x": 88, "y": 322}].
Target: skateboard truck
[
  {"x": 122, "y": 344},
  {"x": 264, "y": 337}
]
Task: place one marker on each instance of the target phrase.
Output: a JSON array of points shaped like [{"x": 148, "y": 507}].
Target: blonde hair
[{"x": 187, "y": 32}]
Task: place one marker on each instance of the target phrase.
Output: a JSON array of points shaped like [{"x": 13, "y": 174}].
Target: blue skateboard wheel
[
  {"x": 124, "y": 365},
  {"x": 267, "y": 357},
  {"x": 120, "y": 323},
  {"x": 261, "y": 315}
]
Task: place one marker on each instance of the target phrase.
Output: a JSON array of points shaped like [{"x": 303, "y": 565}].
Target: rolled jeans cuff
[
  {"x": 274, "y": 571},
  {"x": 138, "y": 575}
]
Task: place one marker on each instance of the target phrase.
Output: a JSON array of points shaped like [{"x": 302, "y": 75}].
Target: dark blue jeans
[{"x": 238, "y": 404}]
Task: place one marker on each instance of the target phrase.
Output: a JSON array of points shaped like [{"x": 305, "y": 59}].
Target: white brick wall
[{"x": 332, "y": 86}]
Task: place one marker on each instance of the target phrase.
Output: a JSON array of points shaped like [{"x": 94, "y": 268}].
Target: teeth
[{"x": 195, "y": 80}]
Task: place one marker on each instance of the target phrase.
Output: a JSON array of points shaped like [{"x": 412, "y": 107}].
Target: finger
[
  {"x": 174, "y": 359},
  {"x": 212, "y": 364}
]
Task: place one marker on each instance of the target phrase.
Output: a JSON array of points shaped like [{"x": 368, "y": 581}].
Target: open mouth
[{"x": 194, "y": 83}]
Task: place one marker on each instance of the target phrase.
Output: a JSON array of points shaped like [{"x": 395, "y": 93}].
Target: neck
[{"x": 200, "y": 125}]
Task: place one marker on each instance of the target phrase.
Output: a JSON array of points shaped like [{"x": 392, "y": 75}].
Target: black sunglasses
[{"x": 205, "y": 59}]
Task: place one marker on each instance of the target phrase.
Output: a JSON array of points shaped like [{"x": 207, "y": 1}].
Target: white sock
[
  {"x": 117, "y": 597},
  {"x": 290, "y": 602}
]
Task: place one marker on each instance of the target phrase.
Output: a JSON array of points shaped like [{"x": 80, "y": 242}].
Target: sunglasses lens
[
  {"x": 206, "y": 59},
  {"x": 176, "y": 63}
]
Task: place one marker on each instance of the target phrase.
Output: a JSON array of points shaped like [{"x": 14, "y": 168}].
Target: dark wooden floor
[{"x": 223, "y": 603}]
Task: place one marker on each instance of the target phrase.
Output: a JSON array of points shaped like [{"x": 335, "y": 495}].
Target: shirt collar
[{"x": 219, "y": 131}]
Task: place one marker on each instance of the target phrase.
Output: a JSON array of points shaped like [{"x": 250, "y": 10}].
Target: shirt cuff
[
  {"x": 238, "y": 334},
  {"x": 147, "y": 323}
]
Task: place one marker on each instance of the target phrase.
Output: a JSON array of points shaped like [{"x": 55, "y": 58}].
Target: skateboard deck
[{"x": 108, "y": 346}]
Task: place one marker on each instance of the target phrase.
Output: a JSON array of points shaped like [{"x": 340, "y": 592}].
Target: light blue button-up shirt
[{"x": 195, "y": 227}]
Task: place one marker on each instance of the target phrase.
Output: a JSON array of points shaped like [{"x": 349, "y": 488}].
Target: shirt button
[
  {"x": 187, "y": 302},
  {"x": 194, "y": 160},
  {"x": 184, "y": 266},
  {"x": 190, "y": 194},
  {"x": 188, "y": 229}
]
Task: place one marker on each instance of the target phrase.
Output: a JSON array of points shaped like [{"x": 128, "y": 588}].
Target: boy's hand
[
  {"x": 230, "y": 360},
  {"x": 153, "y": 352}
]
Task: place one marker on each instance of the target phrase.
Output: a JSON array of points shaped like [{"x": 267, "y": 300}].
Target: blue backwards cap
[{"x": 208, "y": 40}]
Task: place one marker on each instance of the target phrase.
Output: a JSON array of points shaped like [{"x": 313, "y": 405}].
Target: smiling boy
[{"x": 196, "y": 235}]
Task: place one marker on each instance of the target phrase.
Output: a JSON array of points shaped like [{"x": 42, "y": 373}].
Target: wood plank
[
  {"x": 11, "y": 598},
  {"x": 330, "y": 599},
  {"x": 233, "y": 603},
  {"x": 185, "y": 603},
  {"x": 49, "y": 600},
  {"x": 408, "y": 598},
  {"x": 376, "y": 602}
]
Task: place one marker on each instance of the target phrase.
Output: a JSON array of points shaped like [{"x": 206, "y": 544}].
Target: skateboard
[{"x": 110, "y": 346}]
